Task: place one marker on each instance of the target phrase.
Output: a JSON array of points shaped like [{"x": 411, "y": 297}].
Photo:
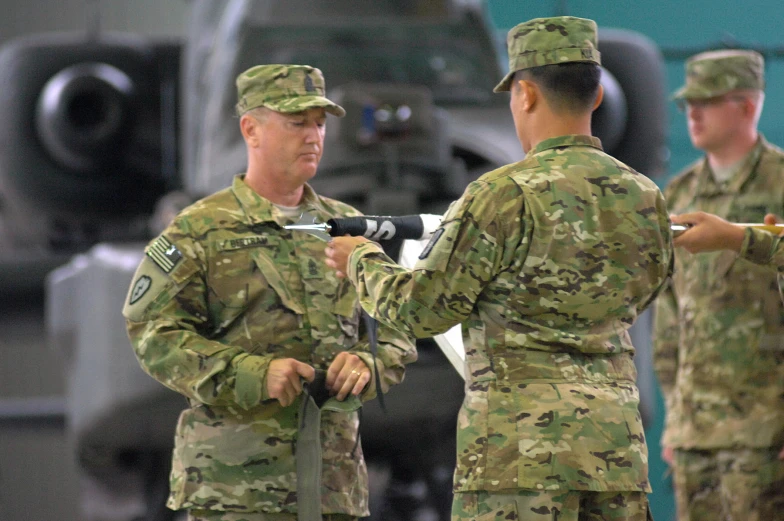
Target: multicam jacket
[
  {"x": 222, "y": 292},
  {"x": 546, "y": 263},
  {"x": 719, "y": 328},
  {"x": 765, "y": 249}
]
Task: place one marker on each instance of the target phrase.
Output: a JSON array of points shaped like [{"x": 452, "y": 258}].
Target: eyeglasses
[{"x": 704, "y": 103}]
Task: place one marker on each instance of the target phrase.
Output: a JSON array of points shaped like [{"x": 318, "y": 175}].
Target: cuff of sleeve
[
  {"x": 757, "y": 246},
  {"x": 370, "y": 389},
  {"x": 249, "y": 386},
  {"x": 354, "y": 256}
]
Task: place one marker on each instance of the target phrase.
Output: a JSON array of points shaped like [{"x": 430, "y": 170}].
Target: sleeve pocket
[{"x": 505, "y": 512}]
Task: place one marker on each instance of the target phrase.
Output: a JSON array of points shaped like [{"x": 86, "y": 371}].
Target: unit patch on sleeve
[
  {"x": 164, "y": 254},
  {"x": 140, "y": 288}
]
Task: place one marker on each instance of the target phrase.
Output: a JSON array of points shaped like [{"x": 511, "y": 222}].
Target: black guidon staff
[
  {"x": 419, "y": 226},
  {"x": 373, "y": 227}
]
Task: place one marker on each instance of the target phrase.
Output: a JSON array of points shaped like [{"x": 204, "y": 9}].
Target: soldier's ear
[
  {"x": 750, "y": 105},
  {"x": 249, "y": 126},
  {"x": 529, "y": 94},
  {"x": 599, "y": 97}
]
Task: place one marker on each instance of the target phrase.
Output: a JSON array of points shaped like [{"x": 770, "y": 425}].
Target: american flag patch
[{"x": 164, "y": 254}]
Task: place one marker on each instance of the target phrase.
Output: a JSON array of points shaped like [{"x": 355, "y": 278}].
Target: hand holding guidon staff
[{"x": 699, "y": 232}]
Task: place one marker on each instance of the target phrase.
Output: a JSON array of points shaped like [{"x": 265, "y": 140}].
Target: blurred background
[{"x": 116, "y": 114}]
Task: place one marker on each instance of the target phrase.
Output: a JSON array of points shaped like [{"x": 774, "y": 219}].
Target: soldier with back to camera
[
  {"x": 547, "y": 263},
  {"x": 719, "y": 327},
  {"x": 243, "y": 318}
]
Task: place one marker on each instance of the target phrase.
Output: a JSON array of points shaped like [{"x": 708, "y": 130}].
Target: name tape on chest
[
  {"x": 244, "y": 242},
  {"x": 164, "y": 254}
]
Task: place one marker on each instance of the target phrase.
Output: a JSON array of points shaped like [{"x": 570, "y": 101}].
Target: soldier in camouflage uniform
[
  {"x": 719, "y": 328},
  {"x": 546, "y": 263},
  {"x": 238, "y": 314}
]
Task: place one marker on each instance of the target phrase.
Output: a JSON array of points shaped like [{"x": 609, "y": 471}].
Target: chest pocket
[
  {"x": 250, "y": 303},
  {"x": 330, "y": 300},
  {"x": 751, "y": 208},
  {"x": 326, "y": 292},
  {"x": 282, "y": 279},
  {"x": 240, "y": 277},
  {"x": 310, "y": 288}
]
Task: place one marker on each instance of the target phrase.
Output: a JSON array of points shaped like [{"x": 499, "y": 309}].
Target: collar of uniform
[
  {"x": 707, "y": 181},
  {"x": 567, "y": 141},
  {"x": 259, "y": 209}
]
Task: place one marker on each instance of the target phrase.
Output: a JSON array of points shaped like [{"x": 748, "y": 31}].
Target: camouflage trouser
[
  {"x": 532, "y": 505},
  {"x": 212, "y": 515},
  {"x": 729, "y": 485}
]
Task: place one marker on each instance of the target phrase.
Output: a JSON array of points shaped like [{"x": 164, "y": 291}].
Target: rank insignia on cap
[
  {"x": 309, "y": 87},
  {"x": 164, "y": 254},
  {"x": 140, "y": 288}
]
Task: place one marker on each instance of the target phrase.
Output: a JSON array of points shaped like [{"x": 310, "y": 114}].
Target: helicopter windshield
[{"x": 454, "y": 68}]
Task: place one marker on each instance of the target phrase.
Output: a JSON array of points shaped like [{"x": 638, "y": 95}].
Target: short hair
[
  {"x": 569, "y": 87},
  {"x": 758, "y": 97},
  {"x": 260, "y": 114}
]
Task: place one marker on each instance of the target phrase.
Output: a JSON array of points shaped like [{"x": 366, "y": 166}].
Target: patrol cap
[
  {"x": 713, "y": 73},
  {"x": 283, "y": 88},
  {"x": 549, "y": 41}
]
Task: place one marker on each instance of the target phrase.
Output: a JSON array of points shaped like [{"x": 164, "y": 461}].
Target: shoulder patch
[
  {"x": 164, "y": 254},
  {"x": 140, "y": 287},
  {"x": 433, "y": 240}
]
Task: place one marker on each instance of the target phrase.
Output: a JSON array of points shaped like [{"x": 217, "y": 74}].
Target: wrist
[{"x": 736, "y": 237}]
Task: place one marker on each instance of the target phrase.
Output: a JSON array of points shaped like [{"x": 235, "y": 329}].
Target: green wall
[{"x": 679, "y": 28}]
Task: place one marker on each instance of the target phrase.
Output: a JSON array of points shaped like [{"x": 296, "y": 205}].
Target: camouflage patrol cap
[
  {"x": 549, "y": 41},
  {"x": 283, "y": 88},
  {"x": 713, "y": 73}
]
